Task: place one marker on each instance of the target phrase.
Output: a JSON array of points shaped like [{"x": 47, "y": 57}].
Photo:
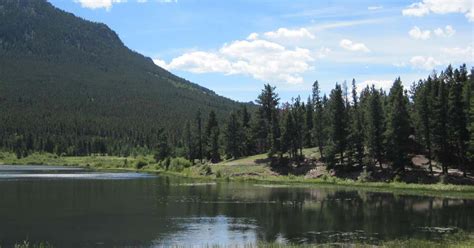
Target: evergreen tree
[
  {"x": 308, "y": 139},
  {"x": 423, "y": 114},
  {"x": 288, "y": 136},
  {"x": 199, "y": 138},
  {"x": 356, "y": 136},
  {"x": 318, "y": 128},
  {"x": 248, "y": 142},
  {"x": 398, "y": 126},
  {"x": 233, "y": 137},
  {"x": 268, "y": 101},
  {"x": 375, "y": 126},
  {"x": 298, "y": 113},
  {"x": 163, "y": 149},
  {"x": 212, "y": 138},
  {"x": 338, "y": 124},
  {"x": 440, "y": 119},
  {"x": 457, "y": 132},
  {"x": 188, "y": 142}
]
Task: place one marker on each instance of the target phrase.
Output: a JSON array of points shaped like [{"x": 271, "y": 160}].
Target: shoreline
[{"x": 110, "y": 163}]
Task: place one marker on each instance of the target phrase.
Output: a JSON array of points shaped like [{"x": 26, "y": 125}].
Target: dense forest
[
  {"x": 350, "y": 129},
  {"x": 70, "y": 86}
]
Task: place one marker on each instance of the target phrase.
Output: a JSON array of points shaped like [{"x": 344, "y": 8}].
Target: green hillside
[{"x": 68, "y": 85}]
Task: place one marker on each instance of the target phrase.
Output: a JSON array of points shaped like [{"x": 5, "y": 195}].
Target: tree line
[{"x": 350, "y": 128}]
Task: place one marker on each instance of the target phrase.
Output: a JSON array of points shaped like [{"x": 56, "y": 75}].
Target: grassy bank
[{"x": 236, "y": 170}]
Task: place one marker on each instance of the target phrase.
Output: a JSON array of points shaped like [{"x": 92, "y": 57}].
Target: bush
[
  {"x": 140, "y": 164},
  {"x": 365, "y": 176},
  {"x": 205, "y": 170},
  {"x": 178, "y": 164}
]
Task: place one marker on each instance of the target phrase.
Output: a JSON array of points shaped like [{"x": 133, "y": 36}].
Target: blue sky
[{"x": 234, "y": 47}]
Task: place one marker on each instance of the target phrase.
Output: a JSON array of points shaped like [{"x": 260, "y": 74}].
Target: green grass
[{"x": 246, "y": 169}]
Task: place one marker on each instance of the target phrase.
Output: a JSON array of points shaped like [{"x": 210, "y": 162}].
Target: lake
[{"x": 73, "y": 207}]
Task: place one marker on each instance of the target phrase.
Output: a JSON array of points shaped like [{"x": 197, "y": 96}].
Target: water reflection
[{"x": 163, "y": 211}]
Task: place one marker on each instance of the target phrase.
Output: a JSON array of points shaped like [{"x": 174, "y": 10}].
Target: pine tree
[
  {"x": 233, "y": 137},
  {"x": 298, "y": 112},
  {"x": 260, "y": 132},
  {"x": 212, "y": 138},
  {"x": 268, "y": 101},
  {"x": 309, "y": 110},
  {"x": 188, "y": 142},
  {"x": 356, "y": 136},
  {"x": 248, "y": 142},
  {"x": 375, "y": 126},
  {"x": 163, "y": 149},
  {"x": 338, "y": 124},
  {"x": 424, "y": 113},
  {"x": 199, "y": 138},
  {"x": 471, "y": 128},
  {"x": 470, "y": 119},
  {"x": 398, "y": 126},
  {"x": 288, "y": 136},
  {"x": 457, "y": 132},
  {"x": 440, "y": 119},
  {"x": 318, "y": 129}
]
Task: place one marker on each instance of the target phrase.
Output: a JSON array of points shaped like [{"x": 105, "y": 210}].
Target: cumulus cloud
[
  {"x": 97, "y": 4},
  {"x": 284, "y": 33},
  {"x": 252, "y": 36},
  {"x": 323, "y": 52},
  {"x": 261, "y": 59},
  {"x": 418, "y": 34},
  {"x": 425, "y": 63},
  {"x": 160, "y": 63},
  {"x": 352, "y": 46},
  {"x": 458, "y": 54},
  {"x": 441, "y": 7},
  {"x": 448, "y": 31}
]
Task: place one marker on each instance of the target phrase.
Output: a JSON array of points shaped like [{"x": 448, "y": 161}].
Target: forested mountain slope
[{"x": 71, "y": 86}]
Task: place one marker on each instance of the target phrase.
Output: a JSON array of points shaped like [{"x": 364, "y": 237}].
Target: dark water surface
[{"x": 70, "y": 207}]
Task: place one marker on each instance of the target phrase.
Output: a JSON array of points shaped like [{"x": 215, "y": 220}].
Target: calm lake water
[{"x": 70, "y": 207}]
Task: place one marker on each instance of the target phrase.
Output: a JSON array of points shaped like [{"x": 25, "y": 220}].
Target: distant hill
[{"x": 72, "y": 86}]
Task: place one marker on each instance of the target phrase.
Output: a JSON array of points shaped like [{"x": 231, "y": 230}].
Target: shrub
[
  {"x": 140, "y": 164},
  {"x": 205, "y": 170},
  {"x": 178, "y": 164}
]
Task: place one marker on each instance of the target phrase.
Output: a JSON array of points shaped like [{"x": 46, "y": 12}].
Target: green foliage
[
  {"x": 70, "y": 86},
  {"x": 398, "y": 126},
  {"x": 140, "y": 164},
  {"x": 178, "y": 164}
]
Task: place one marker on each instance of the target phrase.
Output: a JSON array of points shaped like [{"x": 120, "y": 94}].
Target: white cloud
[
  {"x": 399, "y": 64},
  {"x": 448, "y": 31},
  {"x": 426, "y": 63},
  {"x": 458, "y": 54},
  {"x": 97, "y": 4},
  {"x": 375, "y": 7},
  {"x": 418, "y": 34},
  {"x": 252, "y": 36},
  {"x": 352, "y": 46},
  {"x": 323, "y": 52},
  {"x": 284, "y": 33},
  {"x": 441, "y": 7},
  {"x": 160, "y": 63},
  {"x": 261, "y": 59}
]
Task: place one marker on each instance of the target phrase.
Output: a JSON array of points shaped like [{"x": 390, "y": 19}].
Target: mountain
[{"x": 71, "y": 86}]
